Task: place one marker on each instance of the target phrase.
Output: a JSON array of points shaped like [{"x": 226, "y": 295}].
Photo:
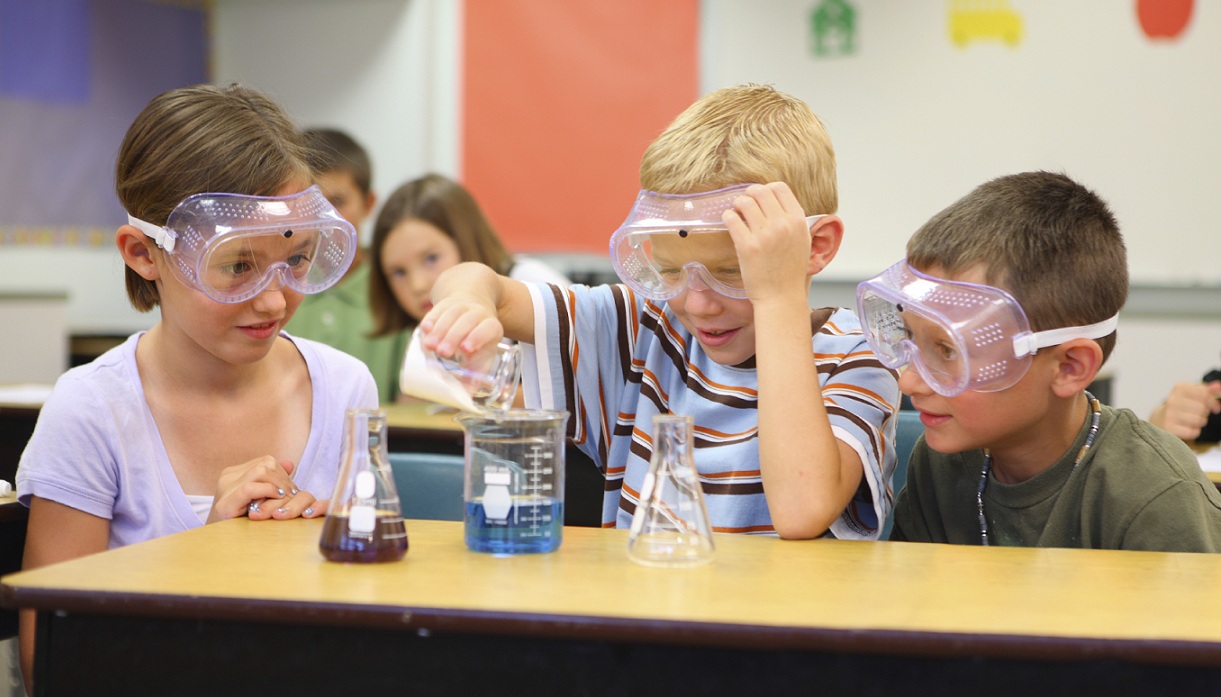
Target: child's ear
[
  {"x": 137, "y": 251},
  {"x": 825, "y": 236},
  {"x": 1077, "y": 364}
]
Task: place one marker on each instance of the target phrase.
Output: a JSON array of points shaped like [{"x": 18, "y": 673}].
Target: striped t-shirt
[{"x": 613, "y": 360}]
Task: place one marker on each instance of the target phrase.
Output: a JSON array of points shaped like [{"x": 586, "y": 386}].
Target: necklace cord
[{"x": 1095, "y": 418}]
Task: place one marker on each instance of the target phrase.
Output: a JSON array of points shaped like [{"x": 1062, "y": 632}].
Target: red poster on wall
[{"x": 559, "y": 101}]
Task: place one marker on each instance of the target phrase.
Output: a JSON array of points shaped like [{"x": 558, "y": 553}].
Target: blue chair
[
  {"x": 429, "y": 485},
  {"x": 908, "y": 430}
]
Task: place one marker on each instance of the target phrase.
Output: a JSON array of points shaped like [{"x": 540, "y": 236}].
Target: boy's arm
[
  {"x": 809, "y": 475},
  {"x": 474, "y": 307}
]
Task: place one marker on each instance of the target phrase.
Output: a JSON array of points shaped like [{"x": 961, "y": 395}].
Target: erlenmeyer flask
[
  {"x": 670, "y": 526},
  {"x": 365, "y": 521}
]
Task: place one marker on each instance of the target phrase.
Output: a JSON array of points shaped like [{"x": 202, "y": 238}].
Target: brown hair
[
  {"x": 1049, "y": 241},
  {"x": 744, "y": 134},
  {"x": 203, "y": 139},
  {"x": 332, "y": 150},
  {"x": 446, "y": 205}
]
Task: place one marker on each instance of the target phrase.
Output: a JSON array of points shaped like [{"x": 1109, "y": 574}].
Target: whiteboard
[{"x": 918, "y": 121}]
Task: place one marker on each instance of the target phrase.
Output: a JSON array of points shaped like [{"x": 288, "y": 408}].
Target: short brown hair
[
  {"x": 1049, "y": 241},
  {"x": 200, "y": 139},
  {"x": 332, "y": 150},
  {"x": 446, "y": 205},
  {"x": 744, "y": 134}
]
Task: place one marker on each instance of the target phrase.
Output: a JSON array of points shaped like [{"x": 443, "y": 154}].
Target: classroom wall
[{"x": 917, "y": 121}]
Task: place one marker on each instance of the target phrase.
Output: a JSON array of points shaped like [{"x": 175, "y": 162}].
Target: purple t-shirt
[{"x": 97, "y": 449}]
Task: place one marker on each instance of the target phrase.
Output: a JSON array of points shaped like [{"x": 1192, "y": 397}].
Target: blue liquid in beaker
[{"x": 534, "y": 525}]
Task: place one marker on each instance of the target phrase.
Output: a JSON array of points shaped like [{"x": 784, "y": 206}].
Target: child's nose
[{"x": 911, "y": 382}]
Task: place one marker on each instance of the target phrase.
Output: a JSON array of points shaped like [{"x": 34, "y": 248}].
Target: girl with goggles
[
  {"x": 959, "y": 336},
  {"x": 214, "y": 412},
  {"x": 231, "y": 247}
]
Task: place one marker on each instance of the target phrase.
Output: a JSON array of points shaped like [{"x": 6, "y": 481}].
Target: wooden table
[{"x": 252, "y": 606}]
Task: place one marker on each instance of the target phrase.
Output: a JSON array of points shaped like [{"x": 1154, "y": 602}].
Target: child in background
[
  {"x": 426, "y": 226},
  {"x": 340, "y": 317},
  {"x": 214, "y": 412},
  {"x": 1192, "y": 410},
  {"x": 793, "y": 415},
  {"x": 1015, "y": 451}
]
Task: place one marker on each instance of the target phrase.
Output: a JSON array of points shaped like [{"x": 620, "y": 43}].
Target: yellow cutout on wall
[{"x": 984, "y": 20}]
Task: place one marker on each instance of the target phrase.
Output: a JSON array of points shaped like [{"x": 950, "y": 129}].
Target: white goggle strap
[
  {"x": 165, "y": 238},
  {"x": 1028, "y": 344}
]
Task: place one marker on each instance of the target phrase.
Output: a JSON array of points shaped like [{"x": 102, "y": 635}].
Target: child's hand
[
  {"x": 260, "y": 489},
  {"x": 772, "y": 240},
  {"x": 460, "y": 325},
  {"x": 1188, "y": 407}
]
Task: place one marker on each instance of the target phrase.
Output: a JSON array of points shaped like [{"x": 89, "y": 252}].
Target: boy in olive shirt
[{"x": 1004, "y": 310}]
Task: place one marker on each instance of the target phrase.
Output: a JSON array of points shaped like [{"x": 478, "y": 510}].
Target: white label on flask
[
  {"x": 366, "y": 485},
  {"x": 361, "y": 519}
]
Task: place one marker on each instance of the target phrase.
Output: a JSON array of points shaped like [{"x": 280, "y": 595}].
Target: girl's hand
[
  {"x": 260, "y": 489},
  {"x": 772, "y": 240}
]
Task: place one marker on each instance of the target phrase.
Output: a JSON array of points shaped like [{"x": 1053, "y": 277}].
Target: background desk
[{"x": 239, "y": 605}]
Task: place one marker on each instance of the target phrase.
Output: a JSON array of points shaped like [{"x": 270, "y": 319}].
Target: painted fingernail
[
  {"x": 296, "y": 491},
  {"x": 254, "y": 506},
  {"x": 308, "y": 512},
  {"x": 280, "y": 491},
  {"x": 281, "y": 511}
]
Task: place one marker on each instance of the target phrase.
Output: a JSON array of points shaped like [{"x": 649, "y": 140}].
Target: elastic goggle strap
[
  {"x": 164, "y": 237},
  {"x": 1028, "y": 344}
]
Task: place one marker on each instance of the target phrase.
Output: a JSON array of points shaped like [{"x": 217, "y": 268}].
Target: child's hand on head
[
  {"x": 460, "y": 325},
  {"x": 772, "y": 240},
  {"x": 260, "y": 489}
]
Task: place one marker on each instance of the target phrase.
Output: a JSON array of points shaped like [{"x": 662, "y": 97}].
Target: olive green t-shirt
[{"x": 1138, "y": 487}]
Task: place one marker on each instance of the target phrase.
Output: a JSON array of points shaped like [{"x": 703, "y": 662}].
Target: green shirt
[
  {"x": 339, "y": 316},
  {"x": 1138, "y": 487}
]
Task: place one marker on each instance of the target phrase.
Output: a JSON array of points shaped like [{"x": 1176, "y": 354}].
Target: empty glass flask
[{"x": 670, "y": 526}]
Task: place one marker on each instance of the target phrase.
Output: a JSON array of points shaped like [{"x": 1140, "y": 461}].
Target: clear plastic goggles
[
  {"x": 959, "y": 336},
  {"x": 672, "y": 242},
  {"x": 231, "y": 247}
]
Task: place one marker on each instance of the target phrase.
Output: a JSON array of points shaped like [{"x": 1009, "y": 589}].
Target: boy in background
[
  {"x": 1015, "y": 450},
  {"x": 793, "y": 415},
  {"x": 340, "y": 317}
]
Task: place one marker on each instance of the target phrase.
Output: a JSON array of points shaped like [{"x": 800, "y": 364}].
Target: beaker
[
  {"x": 514, "y": 489},
  {"x": 365, "y": 520},
  {"x": 491, "y": 376},
  {"x": 670, "y": 526}
]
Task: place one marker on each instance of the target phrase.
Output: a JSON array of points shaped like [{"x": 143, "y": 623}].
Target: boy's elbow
[{"x": 805, "y": 528}]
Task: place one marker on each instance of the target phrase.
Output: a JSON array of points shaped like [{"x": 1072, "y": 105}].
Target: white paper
[
  {"x": 1210, "y": 460},
  {"x": 29, "y": 393},
  {"x": 421, "y": 377}
]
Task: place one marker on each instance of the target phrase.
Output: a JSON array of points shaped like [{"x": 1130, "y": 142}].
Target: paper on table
[
  {"x": 33, "y": 394},
  {"x": 1210, "y": 460},
  {"x": 420, "y": 377}
]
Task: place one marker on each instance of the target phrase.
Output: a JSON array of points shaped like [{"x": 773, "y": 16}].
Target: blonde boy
[
  {"x": 1005, "y": 308},
  {"x": 792, "y": 412}
]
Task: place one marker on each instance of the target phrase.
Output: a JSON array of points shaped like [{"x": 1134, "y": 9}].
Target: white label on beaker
[{"x": 497, "y": 503}]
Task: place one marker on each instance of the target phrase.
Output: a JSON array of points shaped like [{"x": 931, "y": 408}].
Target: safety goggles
[
  {"x": 231, "y": 247},
  {"x": 672, "y": 242},
  {"x": 959, "y": 336}
]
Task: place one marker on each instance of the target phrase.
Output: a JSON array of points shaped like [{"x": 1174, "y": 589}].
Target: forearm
[
  {"x": 504, "y": 298},
  {"x": 808, "y": 477}
]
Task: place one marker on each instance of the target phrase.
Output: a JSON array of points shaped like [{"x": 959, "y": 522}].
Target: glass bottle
[
  {"x": 670, "y": 526},
  {"x": 365, "y": 521}
]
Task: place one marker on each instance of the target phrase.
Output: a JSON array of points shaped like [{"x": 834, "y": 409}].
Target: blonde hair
[
  {"x": 749, "y": 133},
  {"x": 1049, "y": 241},
  {"x": 201, "y": 139}
]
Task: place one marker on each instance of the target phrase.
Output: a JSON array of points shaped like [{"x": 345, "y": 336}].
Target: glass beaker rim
[{"x": 532, "y": 415}]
